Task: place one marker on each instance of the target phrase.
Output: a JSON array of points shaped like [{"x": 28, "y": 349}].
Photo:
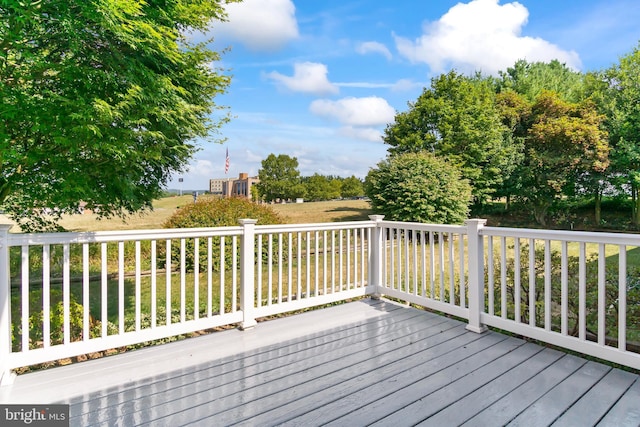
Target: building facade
[
  {"x": 217, "y": 185},
  {"x": 230, "y": 187}
]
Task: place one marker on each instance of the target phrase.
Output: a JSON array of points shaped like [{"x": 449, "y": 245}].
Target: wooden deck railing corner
[
  {"x": 247, "y": 276},
  {"x": 476, "y": 274},
  {"x": 375, "y": 262}
]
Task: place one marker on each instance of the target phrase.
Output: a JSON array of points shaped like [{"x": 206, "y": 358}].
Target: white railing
[
  {"x": 425, "y": 264},
  {"x": 571, "y": 289},
  {"x": 68, "y": 294}
]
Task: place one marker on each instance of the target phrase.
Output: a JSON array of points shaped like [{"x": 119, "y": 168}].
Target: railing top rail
[
  {"x": 19, "y": 239},
  {"x": 288, "y": 228},
  {"x": 425, "y": 227},
  {"x": 564, "y": 235},
  {"x": 119, "y": 235}
]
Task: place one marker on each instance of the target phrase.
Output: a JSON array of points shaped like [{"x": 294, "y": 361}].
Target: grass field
[{"x": 308, "y": 212}]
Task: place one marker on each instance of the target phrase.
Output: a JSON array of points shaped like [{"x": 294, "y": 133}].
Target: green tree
[
  {"x": 280, "y": 178},
  {"x": 519, "y": 88},
  {"x": 515, "y": 112},
  {"x": 100, "y": 101},
  {"x": 596, "y": 183},
  {"x": 335, "y": 191},
  {"x": 320, "y": 187},
  {"x": 352, "y": 187},
  {"x": 623, "y": 89},
  {"x": 565, "y": 140},
  {"x": 457, "y": 118},
  {"x": 530, "y": 79},
  {"x": 419, "y": 187}
]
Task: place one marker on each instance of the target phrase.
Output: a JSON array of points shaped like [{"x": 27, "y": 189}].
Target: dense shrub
[
  {"x": 216, "y": 212},
  {"x": 418, "y": 187}
]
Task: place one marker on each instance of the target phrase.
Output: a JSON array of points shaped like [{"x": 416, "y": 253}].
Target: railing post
[
  {"x": 476, "y": 274},
  {"x": 247, "y": 281},
  {"x": 375, "y": 261},
  {"x": 6, "y": 376}
]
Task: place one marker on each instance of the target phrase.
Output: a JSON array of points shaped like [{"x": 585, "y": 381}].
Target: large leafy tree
[
  {"x": 280, "y": 178},
  {"x": 101, "y": 100},
  {"x": 352, "y": 187},
  {"x": 320, "y": 187},
  {"x": 418, "y": 187},
  {"x": 515, "y": 112},
  {"x": 599, "y": 183},
  {"x": 521, "y": 86},
  {"x": 623, "y": 96},
  {"x": 563, "y": 141},
  {"x": 457, "y": 118}
]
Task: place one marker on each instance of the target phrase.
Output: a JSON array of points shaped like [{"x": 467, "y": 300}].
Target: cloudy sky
[{"x": 320, "y": 80}]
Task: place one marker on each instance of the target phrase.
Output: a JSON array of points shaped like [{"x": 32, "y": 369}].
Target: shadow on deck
[{"x": 361, "y": 363}]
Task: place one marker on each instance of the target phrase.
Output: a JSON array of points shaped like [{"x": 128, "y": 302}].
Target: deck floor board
[
  {"x": 362, "y": 363},
  {"x": 548, "y": 404},
  {"x": 516, "y": 389}
]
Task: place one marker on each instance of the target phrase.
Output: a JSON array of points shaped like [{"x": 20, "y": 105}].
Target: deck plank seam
[
  {"x": 228, "y": 396},
  {"x": 249, "y": 354},
  {"x": 417, "y": 379},
  {"x": 409, "y": 368},
  {"x": 477, "y": 372},
  {"x": 417, "y": 322}
]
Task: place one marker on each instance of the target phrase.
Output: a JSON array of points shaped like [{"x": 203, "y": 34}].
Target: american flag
[{"x": 226, "y": 163}]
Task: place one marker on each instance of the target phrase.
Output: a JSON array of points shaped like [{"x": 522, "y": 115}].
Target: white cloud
[
  {"x": 366, "y": 85},
  {"x": 308, "y": 77},
  {"x": 365, "y": 133},
  {"x": 401, "y": 85},
  {"x": 373, "y": 47},
  {"x": 201, "y": 168},
  {"x": 404, "y": 85},
  {"x": 263, "y": 25},
  {"x": 481, "y": 35},
  {"x": 250, "y": 156},
  {"x": 369, "y": 111}
]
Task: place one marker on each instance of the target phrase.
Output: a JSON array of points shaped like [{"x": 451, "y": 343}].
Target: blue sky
[{"x": 320, "y": 79}]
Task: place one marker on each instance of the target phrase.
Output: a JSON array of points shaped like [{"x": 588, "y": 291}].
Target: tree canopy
[
  {"x": 280, "y": 178},
  {"x": 101, "y": 101},
  {"x": 537, "y": 134},
  {"x": 530, "y": 79},
  {"x": 622, "y": 103},
  {"x": 352, "y": 187},
  {"x": 457, "y": 118},
  {"x": 418, "y": 187},
  {"x": 564, "y": 141}
]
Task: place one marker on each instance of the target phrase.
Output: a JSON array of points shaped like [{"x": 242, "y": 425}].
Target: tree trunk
[
  {"x": 636, "y": 219},
  {"x": 598, "y": 206},
  {"x": 634, "y": 205},
  {"x": 5, "y": 189},
  {"x": 540, "y": 214}
]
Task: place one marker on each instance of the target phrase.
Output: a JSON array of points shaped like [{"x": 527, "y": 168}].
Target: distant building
[
  {"x": 229, "y": 187},
  {"x": 216, "y": 186}
]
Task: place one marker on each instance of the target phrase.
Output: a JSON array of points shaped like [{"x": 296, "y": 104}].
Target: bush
[
  {"x": 221, "y": 212},
  {"x": 418, "y": 187},
  {"x": 216, "y": 212}
]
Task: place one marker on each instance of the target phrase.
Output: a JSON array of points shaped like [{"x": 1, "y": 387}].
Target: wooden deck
[{"x": 362, "y": 363}]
